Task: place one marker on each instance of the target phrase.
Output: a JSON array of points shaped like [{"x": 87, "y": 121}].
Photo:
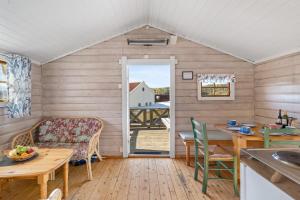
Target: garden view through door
[{"x": 149, "y": 109}]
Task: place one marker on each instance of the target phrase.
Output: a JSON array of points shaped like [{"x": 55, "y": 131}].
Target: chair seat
[
  {"x": 220, "y": 157},
  {"x": 212, "y": 135},
  {"x": 217, "y": 153}
]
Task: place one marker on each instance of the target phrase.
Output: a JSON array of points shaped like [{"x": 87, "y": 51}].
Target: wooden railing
[{"x": 148, "y": 117}]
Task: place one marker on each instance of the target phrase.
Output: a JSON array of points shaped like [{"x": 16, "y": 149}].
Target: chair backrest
[
  {"x": 55, "y": 195},
  {"x": 200, "y": 136},
  {"x": 268, "y": 142},
  {"x": 68, "y": 130}
]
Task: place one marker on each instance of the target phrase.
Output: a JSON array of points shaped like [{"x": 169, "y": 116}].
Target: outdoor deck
[
  {"x": 132, "y": 179},
  {"x": 149, "y": 141}
]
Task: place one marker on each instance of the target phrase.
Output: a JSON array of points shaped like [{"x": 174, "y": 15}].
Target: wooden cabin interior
[{"x": 226, "y": 127}]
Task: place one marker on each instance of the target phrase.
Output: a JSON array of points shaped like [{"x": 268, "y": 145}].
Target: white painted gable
[
  {"x": 141, "y": 95},
  {"x": 252, "y": 30}
]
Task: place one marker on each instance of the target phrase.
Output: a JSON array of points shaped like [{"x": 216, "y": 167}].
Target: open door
[{"x": 126, "y": 107}]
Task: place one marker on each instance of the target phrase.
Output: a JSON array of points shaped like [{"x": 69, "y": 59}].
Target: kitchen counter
[{"x": 261, "y": 164}]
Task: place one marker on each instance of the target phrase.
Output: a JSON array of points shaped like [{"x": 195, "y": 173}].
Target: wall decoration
[{"x": 187, "y": 75}]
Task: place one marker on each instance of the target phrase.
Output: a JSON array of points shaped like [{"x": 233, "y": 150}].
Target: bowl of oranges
[{"x": 22, "y": 153}]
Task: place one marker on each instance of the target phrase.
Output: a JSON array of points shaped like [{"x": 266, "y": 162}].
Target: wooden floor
[
  {"x": 132, "y": 179},
  {"x": 149, "y": 141}
]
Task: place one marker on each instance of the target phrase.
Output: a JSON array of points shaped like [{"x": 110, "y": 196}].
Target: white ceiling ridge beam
[
  {"x": 278, "y": 56},
  {"x": 94, "y": 43},
  {"x": 3, "y": 52}
]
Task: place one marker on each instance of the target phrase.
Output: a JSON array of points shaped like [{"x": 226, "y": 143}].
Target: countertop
[{"x": 262, "y": 162}]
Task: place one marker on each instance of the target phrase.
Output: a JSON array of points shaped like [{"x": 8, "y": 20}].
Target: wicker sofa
[{"x": 82, "y": 134}]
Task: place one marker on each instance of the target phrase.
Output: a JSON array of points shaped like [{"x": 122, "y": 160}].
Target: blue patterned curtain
[{"x": 19, "y": 86}]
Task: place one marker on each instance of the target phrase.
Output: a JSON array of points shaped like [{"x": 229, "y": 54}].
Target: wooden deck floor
[
  {"x": 132, "y": 179},
  {"x": 150, "y": 141}
]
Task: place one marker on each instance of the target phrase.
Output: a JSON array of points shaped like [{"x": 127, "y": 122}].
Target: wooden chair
[
  {"x": 212, "y": 153},
  {"x": 55, "y": 195},
  {"x": 268, "y": 142}
]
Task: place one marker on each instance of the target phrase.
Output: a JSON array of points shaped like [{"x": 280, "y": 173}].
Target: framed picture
[{"x": 187, "y": 75}]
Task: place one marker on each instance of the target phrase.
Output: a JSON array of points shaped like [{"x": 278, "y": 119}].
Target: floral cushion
[
  {"x": 62, "y": 130},
  {"x": 80, "y": 149}
]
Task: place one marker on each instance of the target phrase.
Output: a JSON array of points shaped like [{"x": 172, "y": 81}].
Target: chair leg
[
  {"x": 218, "y": 172},
  {"x": 196, "y": 171},
  {"x": 89, "y": 169},
  {"x": 98, "y": 155},
  {"x": 235, "y": 177},
  {"x": 205, "y": 177},
  {"x": 196, "y": 165}
]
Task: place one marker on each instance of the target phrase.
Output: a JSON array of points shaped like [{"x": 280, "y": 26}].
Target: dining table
[{"x": 243, "y": 141}]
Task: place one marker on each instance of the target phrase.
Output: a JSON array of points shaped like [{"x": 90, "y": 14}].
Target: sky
[{"x": 155, "y": 76}]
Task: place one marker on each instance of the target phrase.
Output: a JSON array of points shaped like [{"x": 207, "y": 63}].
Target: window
[
  {"x": 216, "y": 86},
  {"x": 143, "y": 89},
  {"x": 3, "y": 82},
  {"x": 215, "y": 90},
  {"x": 146, "y": 104},
  {"x": 139, "y": 104}
]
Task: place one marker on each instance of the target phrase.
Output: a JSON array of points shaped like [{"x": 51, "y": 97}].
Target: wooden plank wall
[
  {"x": 277, "y": 86},
  {"x": 86, "y": 83},
  {"x": 9, "y": 127}
]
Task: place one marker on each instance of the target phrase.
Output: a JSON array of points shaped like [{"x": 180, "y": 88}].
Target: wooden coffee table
[{"x": 40, "y": 167}]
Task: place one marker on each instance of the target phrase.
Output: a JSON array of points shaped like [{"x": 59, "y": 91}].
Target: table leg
[
  {"x": 239, "y": 143},
  {"x": 42, "y": 181},
  {"x": 52, "y": 176},
  {"x": 187, "y": 153},
  {"x": 66, "y": 179}
]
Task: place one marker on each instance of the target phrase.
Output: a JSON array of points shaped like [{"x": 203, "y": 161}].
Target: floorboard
[{"x": 127, "y": 179}]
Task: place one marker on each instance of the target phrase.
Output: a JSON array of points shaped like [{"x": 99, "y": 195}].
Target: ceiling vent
[{"x": 148, "y": 42}]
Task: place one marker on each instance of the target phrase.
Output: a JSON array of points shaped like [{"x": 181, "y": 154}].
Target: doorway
[{"x": 148, "y": 106}]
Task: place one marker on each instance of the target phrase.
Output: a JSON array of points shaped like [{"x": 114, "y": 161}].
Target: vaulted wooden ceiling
[{"x": 253, "y": 30}]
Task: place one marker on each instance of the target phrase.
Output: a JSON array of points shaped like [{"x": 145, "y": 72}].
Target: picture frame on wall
[{"x": 187, "y": 75}]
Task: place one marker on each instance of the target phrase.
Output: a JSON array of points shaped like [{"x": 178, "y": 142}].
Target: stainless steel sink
[{"x": 290, "y": 158}]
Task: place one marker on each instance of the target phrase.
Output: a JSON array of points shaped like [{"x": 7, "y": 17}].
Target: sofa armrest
[
  {"x": 93, "y": 144},
  {"x": 24, "y": 139}
]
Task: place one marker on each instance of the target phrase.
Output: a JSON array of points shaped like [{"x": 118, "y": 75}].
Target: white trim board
[
  {"x": 202, "y": 43},
  {"x": 141, "y": 26},
  {"x": 255, "y": 62},
  {"x": 125, "y": 99},
  {"x": 278, "y": 56},
  {"x": 94, "y": 43}
]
